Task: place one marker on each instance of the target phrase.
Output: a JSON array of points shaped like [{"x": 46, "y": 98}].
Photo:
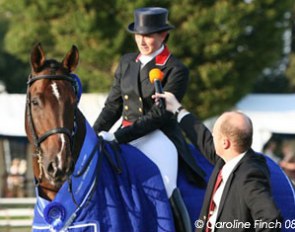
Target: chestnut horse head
[{"x": 50, "y": 118}]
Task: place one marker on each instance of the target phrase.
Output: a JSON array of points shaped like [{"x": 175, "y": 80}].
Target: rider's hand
[{"x": 107, "y": 136}]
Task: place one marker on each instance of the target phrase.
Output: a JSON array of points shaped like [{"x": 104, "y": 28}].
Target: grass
[{"x": 15, "y": 229}]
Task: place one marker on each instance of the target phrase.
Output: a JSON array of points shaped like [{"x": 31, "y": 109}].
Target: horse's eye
[{"x": 35, "y": 101}]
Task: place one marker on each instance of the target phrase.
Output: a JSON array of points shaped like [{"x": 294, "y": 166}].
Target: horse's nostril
[
  {"x": 59, "y": 170},
  {"x": 52, "y": 168}
]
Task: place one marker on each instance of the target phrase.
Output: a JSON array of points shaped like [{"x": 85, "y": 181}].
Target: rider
[{"x": 150, "y": 128}]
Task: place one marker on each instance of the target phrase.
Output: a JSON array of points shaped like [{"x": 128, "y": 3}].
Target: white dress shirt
[
  {"x": 225, "y": 173},
  {"x": 144, "y": 59}
]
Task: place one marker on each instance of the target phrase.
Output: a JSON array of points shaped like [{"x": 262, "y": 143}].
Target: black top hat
[{"x": 150, "y": 20}]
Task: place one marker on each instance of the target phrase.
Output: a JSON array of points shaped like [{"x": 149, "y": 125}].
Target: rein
[
  {"x": 37, "y": 140},
  {"x": 59, "y": 130}
]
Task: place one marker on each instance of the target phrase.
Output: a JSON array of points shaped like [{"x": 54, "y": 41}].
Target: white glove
[{"x": 107, "y": 136}]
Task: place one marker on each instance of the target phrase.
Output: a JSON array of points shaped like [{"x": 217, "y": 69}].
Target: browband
[{"x": 50, "y": 77}]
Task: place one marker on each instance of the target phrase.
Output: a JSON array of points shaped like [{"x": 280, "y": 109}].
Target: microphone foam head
[{"x": 156, "y": 74}]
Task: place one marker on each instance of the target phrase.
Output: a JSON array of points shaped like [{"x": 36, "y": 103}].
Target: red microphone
[{"x": 156, "y": 76}]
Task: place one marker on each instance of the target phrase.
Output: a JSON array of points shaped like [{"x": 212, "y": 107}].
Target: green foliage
[
  {"x": 9, "y": 74},
  {"x": 225, "y": 43},
  {"x": 91, "y": 25},
  {"x": 290, "y": 72}
]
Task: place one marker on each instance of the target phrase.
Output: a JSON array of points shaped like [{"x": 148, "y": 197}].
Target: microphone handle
[
  {"x": 159, "y": 89},
  {"x": 158, "y": 86}
]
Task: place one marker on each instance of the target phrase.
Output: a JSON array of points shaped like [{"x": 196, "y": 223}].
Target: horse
[
  {"x": 45, "y": 126},
  {"x": 84, "y": 183}
]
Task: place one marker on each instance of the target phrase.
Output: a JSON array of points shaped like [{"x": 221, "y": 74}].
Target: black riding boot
[{"x": 180, "y": 214}]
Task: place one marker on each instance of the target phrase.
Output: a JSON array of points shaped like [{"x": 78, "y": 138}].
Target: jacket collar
[{"x": 161, "y": 58}]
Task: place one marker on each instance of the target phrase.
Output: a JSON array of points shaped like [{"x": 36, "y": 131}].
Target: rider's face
[{"x": 147, "y": 44}]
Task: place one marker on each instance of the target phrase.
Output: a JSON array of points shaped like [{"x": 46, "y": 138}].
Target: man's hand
[
  {"x": 172, "y": 104},
  {"x": 107, "y": 136}
]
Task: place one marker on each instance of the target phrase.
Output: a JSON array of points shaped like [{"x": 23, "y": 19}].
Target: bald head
[{"x": 237, "y": 127}]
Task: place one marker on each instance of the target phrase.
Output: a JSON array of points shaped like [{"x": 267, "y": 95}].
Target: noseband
[{"x": 60, "y": 130}]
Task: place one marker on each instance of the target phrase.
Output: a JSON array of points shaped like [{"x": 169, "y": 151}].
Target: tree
[
  {"x": 11, "y": 68},
  {"x": 225, "y": 43},
  {"x": 58, "y": 25},
  {"x": 290, "y": 72}
]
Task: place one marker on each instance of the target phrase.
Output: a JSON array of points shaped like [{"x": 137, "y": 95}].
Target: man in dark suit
[
  {"x": 130, "y": 97},
  {"x": 242, "y": 201}
]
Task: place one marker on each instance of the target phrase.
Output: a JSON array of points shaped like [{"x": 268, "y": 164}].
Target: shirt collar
[
  {"x": 230, "y": 165},
  {"x": 144, "y": 59}
]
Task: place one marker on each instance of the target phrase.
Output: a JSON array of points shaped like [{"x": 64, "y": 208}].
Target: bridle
[{"x": 37, "y": 140}]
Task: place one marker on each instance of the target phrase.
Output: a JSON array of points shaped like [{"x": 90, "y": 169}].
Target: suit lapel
[
  {"x": 146, "y": 86},
  {"x": 144, "y": 73},
  {"x": 228, "y": 184},
  {"x": 225, "y": 193},
  {"x": 211, "y": 184},
  {"x": 134, "y": 68}
]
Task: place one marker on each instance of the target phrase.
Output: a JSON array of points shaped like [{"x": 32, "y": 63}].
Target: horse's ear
[
  {"x": 37, "y": 57},
  {"x": 71, "y": 59}
]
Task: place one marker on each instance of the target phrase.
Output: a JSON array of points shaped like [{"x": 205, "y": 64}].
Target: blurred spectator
[
  {"x": 288, "y": 161},
  {"x": 270, "y": 149},
  {"x": 15, "y": 182},
  {"x": 289, "y": 168}
]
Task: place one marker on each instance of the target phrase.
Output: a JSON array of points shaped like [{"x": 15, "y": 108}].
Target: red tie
[{"x": 212, "y": 204}]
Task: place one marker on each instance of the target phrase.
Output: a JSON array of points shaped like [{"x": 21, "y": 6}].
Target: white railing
[{"x": 16, "y": 212}]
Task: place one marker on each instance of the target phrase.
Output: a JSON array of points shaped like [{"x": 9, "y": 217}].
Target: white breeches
[{"x": 159, "y": 148}]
